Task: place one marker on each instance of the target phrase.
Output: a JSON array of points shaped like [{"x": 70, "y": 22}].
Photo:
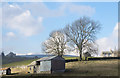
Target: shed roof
[
  {"x": 42, "y": 59},
  {"x": 32, "y": 64},
  {"x": 46, "y": 58},
  {"x": 4, "y": 68}
]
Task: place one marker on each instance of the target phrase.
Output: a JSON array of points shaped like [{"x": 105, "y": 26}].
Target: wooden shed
[
  {"x": 51, "y": 64},
  {"x": 87, "y": 54}
]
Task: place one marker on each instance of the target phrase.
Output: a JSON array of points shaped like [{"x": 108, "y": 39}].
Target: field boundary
[
  {"x": 93, "y": 58},
  {"x": 103, "y": 58}
]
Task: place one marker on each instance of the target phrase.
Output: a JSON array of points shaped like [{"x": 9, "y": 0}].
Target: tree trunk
[{"x": 80, "y": 56}]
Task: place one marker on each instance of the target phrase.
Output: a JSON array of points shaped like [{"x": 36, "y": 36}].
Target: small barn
[
  {"x": 50, "y": 64},
  {"x": 5, "y": 71},
  {"x": 87, "y": 54},
  {"x": 110, "y": 53}
]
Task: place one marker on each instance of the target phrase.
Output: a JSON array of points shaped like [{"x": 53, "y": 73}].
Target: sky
[{"x": 25, "y": 25}]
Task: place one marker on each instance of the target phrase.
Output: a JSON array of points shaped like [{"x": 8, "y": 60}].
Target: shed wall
[
  {"x": 58, "y": 65},
  {"x": 45, "y": 65},
  {"x": 38, "y": 69}
]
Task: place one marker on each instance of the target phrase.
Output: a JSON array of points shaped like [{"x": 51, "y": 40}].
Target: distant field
[
  {"x": 92, "y": 68},
  {"x": 78, "y": 68},
  {"x": 83, "y": 68},
  {"x": 26, "y": 62},
  {"x": 68, "y": 58}
]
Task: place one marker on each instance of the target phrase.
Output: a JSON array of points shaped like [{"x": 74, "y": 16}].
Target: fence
[
  {"x": 71, "y": 60},
  {"x": 93, "y": 58},
  {"x": 103, "y": 58}
]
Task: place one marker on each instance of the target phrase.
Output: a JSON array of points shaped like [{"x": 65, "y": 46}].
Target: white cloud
[
  {"x": 110, "y": 42},
  {"x": 12, "y": 6},
  {"x": 25, "y": 24},
  {"x": 29, "y": 53},
  {"x": 105, "y": 44},
  {"x": 10, "y": 34},
  {"x": 24, "y": 54},
  {"x": 81, "y": 9},
  {"x": 40, "y": 9},
  {"x": 19, "y": 54},
  {"x": 9, "y": 11},
  {"x": 27, "y": 19},
  {"x": 115, "y": 31},
  {"x": 20, "y": 20},
  {"x": 44, "y": 11}
]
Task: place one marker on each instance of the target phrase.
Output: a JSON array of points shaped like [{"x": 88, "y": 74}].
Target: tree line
[{"x": 78, "y": 37}]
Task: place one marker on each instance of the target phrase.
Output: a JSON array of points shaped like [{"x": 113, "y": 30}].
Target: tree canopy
[{"x": 81, "y": 32}]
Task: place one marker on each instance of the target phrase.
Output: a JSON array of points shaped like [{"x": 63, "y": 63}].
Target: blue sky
[{"x": 26, "y": 25}]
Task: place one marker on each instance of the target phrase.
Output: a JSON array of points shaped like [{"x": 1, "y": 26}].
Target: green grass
[
  {"x": 92, "y": 68},
  {"x": 26, "y": 62},
  {"x": 81, "y": 68},
  {"x": 85, "y": 68},
  {"x": 68, "y": 58}
]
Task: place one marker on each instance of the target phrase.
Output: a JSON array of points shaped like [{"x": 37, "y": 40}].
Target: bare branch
[
  {"x": 82, "y": 32},
  {"x": 56, "y": 44}
]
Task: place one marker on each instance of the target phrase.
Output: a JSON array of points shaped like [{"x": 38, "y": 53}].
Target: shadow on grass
[
  {"x": 14, "y": 73},
  {"x": 70, "y": 71}
]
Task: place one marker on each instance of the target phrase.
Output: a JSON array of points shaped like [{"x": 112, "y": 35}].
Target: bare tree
[
  {"x": 81, "y": 32},
  {"x": 90, "y": 49},
  {"x": 56, "y": 44}
]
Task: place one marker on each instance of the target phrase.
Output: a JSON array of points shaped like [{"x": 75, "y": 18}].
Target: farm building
[
  {"x": 87, "y": 54},
  {"x": 5, "y": 71},
  {"x": 11, "y": 54},
  {"x": 110, "y": 53},
  {"x": 49, "y": 64}
]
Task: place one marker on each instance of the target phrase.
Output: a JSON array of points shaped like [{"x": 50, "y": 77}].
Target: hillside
[
  {"x": 28, "y": 61},
  {"x": 20, "y": 63},
  {"x": 80, "y": 68},
  {"x": 92, "y": 68},
  {"x": 7, "y": 60}
]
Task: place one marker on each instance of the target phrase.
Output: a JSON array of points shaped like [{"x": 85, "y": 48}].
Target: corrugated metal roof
[
  {"x": 42, "y": 59},
  {"x": 4, "y": 68},
  {"x": 32, "y": 64},
  {"x": 46, "y": 58}
]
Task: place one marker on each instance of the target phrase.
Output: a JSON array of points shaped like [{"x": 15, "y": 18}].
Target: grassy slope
[
  {"x": 92, "y": 68},
  {"x": 7, "y": 60},
  {"x": 67, "y": 58},
  {"x": 26, "y": 62},
  {"x": 86, "y": 68}
]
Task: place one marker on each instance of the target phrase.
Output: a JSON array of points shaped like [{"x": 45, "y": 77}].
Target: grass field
[
  {"x": 26, "y": 62},
  {"x": 68, "y": 58},
  {"x": 85, "y": 68},
  {"x": 92, "y": 68}
]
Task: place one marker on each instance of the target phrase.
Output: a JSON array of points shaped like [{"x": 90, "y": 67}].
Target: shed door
[{"x": 45, "y": 65}]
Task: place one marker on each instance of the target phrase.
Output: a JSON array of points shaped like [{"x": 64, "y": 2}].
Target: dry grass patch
[{"x": 93, "y": 68}]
